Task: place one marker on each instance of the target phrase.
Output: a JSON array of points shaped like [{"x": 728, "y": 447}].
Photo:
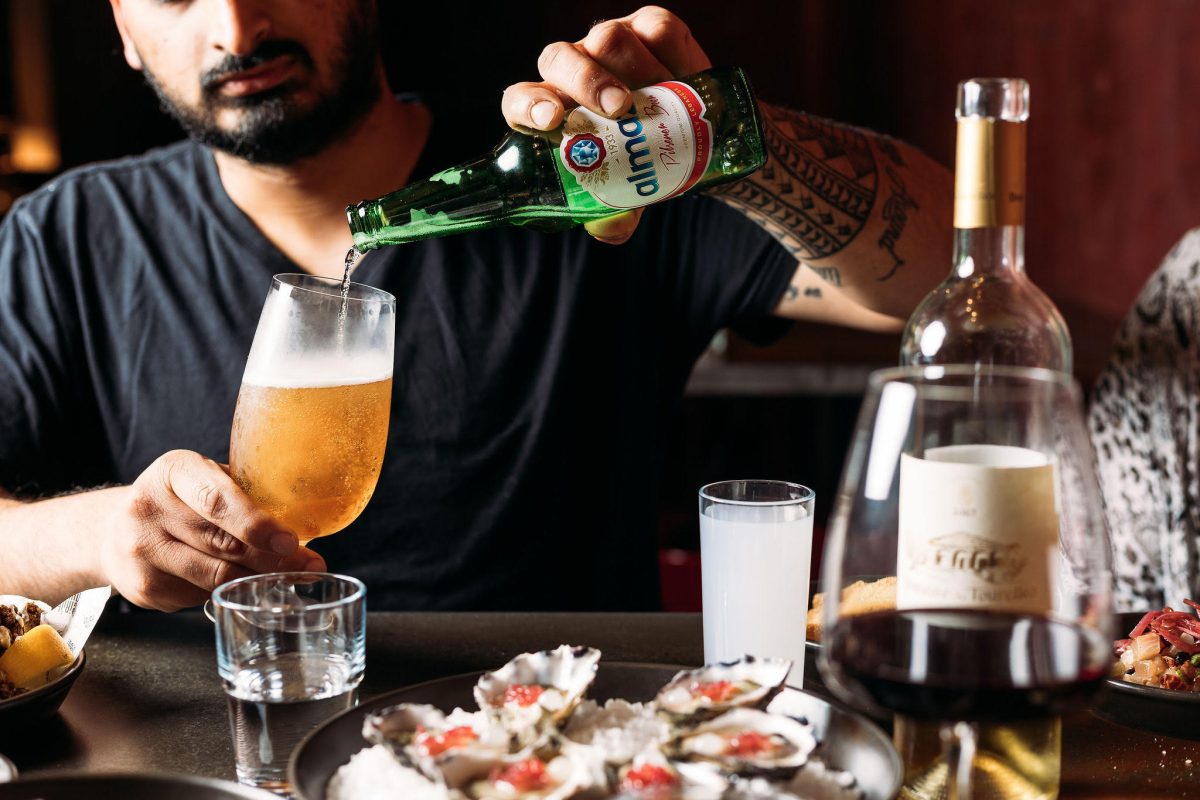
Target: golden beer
[{"x": 310, "y": 456}]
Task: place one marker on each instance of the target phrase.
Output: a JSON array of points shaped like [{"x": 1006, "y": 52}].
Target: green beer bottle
[{"x": 679, "y": 135}]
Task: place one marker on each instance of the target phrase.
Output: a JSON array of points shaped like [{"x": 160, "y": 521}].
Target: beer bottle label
[
  {"x": 659, "y": 148},
  {"x": 978, "y": 530}
]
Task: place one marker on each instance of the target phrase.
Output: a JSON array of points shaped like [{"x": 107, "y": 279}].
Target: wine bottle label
[
  {"x": 658, "y": 149},
  {"x": 978, "y": 530},
  {"x": 989, "y": 173}
]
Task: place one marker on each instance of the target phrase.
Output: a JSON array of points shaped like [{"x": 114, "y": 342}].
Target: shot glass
[
  {"x": 755, "y": 546},
  {"x": 291, "y": 651}
]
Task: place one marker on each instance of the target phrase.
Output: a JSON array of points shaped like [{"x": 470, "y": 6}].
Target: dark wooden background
[
  {"x": 1114, "y": 134},
  {"x": 1114, "y": 150}
]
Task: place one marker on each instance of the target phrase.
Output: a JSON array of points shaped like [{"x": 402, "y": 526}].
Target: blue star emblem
[{"x": 585, "y": 152}]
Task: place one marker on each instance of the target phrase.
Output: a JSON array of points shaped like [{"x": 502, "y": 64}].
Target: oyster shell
[
  {"x": 534, "y": 690},
  {"x": 569, "y": 773},
  {"x": 650, "y": 776},
  {"x": 745, "y": 742},
  {"x": 699, "y": 694},
  {"x": 425, "y": 738}
]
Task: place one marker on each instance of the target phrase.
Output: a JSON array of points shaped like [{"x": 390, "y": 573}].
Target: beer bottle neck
[{"x": 463, "y": 198}]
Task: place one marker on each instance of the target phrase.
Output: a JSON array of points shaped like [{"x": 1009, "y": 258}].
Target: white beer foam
[{"x": 317, "y": 372}]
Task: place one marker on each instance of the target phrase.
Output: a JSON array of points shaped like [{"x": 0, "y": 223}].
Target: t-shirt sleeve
[
  {"x": 719, "y": 269},
  {"x": 34, "y": 361}
]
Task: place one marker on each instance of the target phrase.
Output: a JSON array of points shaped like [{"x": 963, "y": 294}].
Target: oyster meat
[
  {"x": 699, "y": 694},
  {"x": 425, "y": 738},
  {"x": 565, "y": 774},
  {"x": 536, "y": 690},
  {"x": 745, "y": 742}
]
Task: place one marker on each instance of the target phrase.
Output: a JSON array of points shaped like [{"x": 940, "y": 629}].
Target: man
[{"x": 534, "y": 373}]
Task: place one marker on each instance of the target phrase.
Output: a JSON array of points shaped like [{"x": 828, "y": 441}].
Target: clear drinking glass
[
  {"x": 291, "y": 650},
  {"x": 755, "y": 546},
  {"x": 312, "y": 415},
  {"x": 974, "y": 487}
]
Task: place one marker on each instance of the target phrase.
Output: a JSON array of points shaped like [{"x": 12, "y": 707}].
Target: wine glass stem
[{"x": 958, "y": 749}]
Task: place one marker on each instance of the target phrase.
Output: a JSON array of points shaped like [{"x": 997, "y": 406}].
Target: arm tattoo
[
  {"x": 887, "y": 146},
  {"x": 895, "y": 213},
  {"x": 830, "y": 275},
  {"x": 817, "y": 189},
  {"x": 793, "y": 292}
]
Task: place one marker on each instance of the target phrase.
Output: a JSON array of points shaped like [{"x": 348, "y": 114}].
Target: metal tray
[
  {"x": 129, "y": 787},
  {"x": 848, "y": 740}
]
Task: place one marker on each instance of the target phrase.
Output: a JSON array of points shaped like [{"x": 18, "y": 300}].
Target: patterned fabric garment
[{"x": 1143, "y": 422}]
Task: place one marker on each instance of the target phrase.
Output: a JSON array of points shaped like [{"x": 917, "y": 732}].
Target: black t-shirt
[{"x": 535, "y": 374}]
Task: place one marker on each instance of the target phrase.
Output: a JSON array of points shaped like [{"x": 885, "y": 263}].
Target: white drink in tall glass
[{"x": 754, "y": 572}]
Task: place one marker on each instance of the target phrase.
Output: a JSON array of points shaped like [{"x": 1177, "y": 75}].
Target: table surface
[{"x": 149, "y": 699}]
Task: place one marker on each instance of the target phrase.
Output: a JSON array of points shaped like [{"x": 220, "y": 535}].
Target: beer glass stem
[{"x": 958, "y": 750}]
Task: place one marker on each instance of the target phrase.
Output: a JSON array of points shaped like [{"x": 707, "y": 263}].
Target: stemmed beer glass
[
  {"x": 975, "y": 488},
  {"x": 312, "y": 415}
]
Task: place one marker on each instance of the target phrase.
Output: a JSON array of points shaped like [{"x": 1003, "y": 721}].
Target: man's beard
[{"x": 272, "y": 128}]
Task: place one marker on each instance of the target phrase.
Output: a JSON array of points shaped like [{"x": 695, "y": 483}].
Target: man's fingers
[
  {"x": 616, "y": 47},
  {"x": 303, "y": 560},
  {"x": 532, "y": 105},
  {"x": 565, "y": 68},
  {"x": 163, "y": 592},
  {"x": 199, "y": 569},
  {"x": 210, "y": 539},
  {"x": 669, "y": 39},
  {"x": 204, "y": 487},
  {"x": 615, "y": 230}
]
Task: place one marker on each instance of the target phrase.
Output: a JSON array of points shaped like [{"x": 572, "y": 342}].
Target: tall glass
[
  {"x": 975, "y": 488},
  {"x": 755, "y": 548},
  {"x": 311, "y": 422}
]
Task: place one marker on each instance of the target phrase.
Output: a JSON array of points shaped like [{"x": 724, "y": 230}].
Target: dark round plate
[
  {"x": 848, "y": 741},
  {"x": 129, "y": 787},
  {"x": 18, "y": 713},
  {"x": 1161, "y": 711}
]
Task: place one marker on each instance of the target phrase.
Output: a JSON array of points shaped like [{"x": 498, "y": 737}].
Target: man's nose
[{"x": 239, "y": 26}]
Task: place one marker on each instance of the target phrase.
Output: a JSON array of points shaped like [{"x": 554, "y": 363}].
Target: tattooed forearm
[
  {"x": 895, "y": 213},
  {"x": 792, "y": 293},
  {"x": 887, "y": 146},
  {"x": 817, "y": 189},
  {"x": 831, "y": 275}
]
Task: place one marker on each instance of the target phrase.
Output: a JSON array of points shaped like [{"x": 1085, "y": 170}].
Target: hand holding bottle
[{"x": 597, "y": 73}]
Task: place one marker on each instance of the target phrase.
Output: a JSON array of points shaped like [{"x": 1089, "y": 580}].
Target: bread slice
[{"x": 860, "y": 597}]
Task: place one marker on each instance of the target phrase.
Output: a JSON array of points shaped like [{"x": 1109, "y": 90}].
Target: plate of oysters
[{"x": 560, "y": 725}]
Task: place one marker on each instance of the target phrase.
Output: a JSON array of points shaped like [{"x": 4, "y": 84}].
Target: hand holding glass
[{"x": 311, "y": 422}]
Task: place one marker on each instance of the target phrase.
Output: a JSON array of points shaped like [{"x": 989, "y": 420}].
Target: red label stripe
[{"x": 701, "y": 130}]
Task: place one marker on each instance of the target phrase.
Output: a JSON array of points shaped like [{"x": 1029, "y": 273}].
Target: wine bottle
[
  {"x": 675, "y": 137},
  {"x": 965, "y": 548},
  {"x": 987, "y": 311}
]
